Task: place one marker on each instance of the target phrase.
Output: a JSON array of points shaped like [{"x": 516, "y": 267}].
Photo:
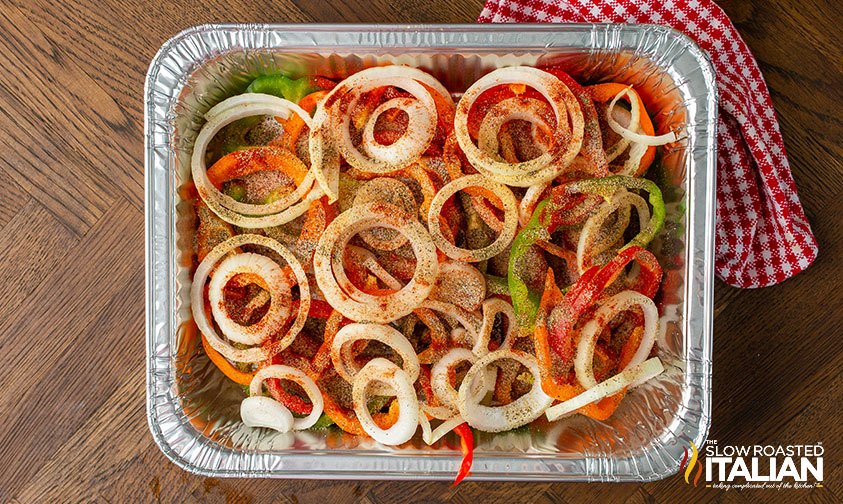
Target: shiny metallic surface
[{"x": 193, "y": 410}]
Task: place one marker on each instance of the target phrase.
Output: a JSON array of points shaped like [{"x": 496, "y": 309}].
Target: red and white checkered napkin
[{"x": 763, "y": 236}]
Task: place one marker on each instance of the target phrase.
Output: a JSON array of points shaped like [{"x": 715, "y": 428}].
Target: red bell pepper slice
[
  {"x": 467, "y": 445},
  {"x": 585, "y": 292}
]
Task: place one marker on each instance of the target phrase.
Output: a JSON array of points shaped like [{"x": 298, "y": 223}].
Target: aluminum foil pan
[{"x": 194, "y": 412}]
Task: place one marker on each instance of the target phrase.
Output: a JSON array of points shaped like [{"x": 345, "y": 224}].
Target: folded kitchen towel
[{"x": 763, "y": 236}]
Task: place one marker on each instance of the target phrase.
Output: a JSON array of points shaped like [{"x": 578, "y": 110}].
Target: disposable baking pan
[{"x": 193, "y": 410}]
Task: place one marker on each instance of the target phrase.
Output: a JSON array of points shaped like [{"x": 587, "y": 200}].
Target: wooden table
[{"x": 72, "y": 421}]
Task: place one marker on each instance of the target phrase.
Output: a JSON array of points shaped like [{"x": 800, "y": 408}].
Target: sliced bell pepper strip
[
  {"x": 561, "y": 387},
  {"x": 322, "y": 360},
  {"x": 285, "y": 87},
  {"x": 548, "y": 215},
  {"x": 294, "y": 124},
  {"x": 605, "y": 93},
  {"x": 227, "y": 369},
  {"x": 254, "y": 159},
  {"x": 319, "y": 215},
  {"x": 467, "y": 446}
]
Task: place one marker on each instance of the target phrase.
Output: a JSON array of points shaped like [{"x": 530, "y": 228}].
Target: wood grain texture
[{"x": 72, "y": 421}]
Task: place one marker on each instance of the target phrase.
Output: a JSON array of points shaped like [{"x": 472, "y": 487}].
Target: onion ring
[
  {"x": 289, "y": 373},
  {"x": 594, "y": 225},
  {"x": 583, "y": 360},
  {"x": 386, "y": 372},
  {"x": 254, "y": 354},
  {"x": 354, "y": 303},
  {"x": 325, "y": 146},
  {"x": 519, "y": 412},
  {"x": 227, "y": 208},
  {"x": 630, "y": 135},
  {"x": 343, "y": 358},
  {"x": 273, "y": 280},
  {"x": 510, "y": 207},
  {"x": 491, "y": 307},
  {"x": 545, "y": 167}
]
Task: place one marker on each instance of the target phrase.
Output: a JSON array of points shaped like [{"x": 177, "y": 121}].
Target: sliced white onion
[
  {"x": 383, "y": 371},
  {"x": 491, "y": 307},
  {"x": 471, "y": 321},
  {"x": 343, "y": 359},
  {"x": 343, "y": 295},
  {"x": 530, "y": 201},
  {"x": 439, "y": 380},
  {"x": 519, "y": 412},
  {"x": 628, "y": 377},
  {"x": 439, "y": 412},
  {"x": 584, "y": 358},
  {"x": 420, "y": 129},
  {"x": 630, "y": 122},
  {"x": 436, "y": 434},
  {"x": 593, "y": 227},
  {"x": 510, "y": 208},
  {"x": 197, "y": 303},
  {"x": 629, "y": 134},
  {"x": 545, "y": 167},
  {"x": 370, "y": 262},
  {"x": 329, "y": 134},
  {"x": 525, "y": 109},
  {"x": 298, "y": 376},
  {"x": 275, "y": 282},
  {"x": 259, "y": 411},
  {"x": 245, "y": 214}
]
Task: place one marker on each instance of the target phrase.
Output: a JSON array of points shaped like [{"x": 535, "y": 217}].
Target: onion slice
[
  {"x": 329, "y": 136},
  {"x": 583, "y": 360},
  {"x": 343, "y": 295},
  {"x": 197, "y": 303},
  {"x": 491, "y": 307},
  {"x": 273, "y": 280},
  {"x": 289, "y": 373},
  {"x": 370, "y": 262},
  {"x": 381, "y": 370},
  {"x": 567, "y": 137},
  {"x": 343, "y": 358},
  {"x": 629, "y": 134},
  {"x": 436, "y": 434},
  {"x": 510, "y": 208},
  {"x": 227, "y": 208},
  {"x": 440, "y": 379},
  {"x": 259, "y": 411},
  {"x": 594, "y": 229},
  {"x": 519, "y": 412},
  {"x": 629, "y": 376}
]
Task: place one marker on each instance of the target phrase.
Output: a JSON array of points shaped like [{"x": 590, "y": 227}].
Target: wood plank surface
[{"x": 72, "y": 418}]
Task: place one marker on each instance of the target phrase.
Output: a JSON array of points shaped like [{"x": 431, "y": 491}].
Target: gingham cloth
[{"x": 763, "y": 236}]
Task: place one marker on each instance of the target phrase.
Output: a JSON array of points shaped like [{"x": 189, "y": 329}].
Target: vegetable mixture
[{"x": 373, "y": 255}]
